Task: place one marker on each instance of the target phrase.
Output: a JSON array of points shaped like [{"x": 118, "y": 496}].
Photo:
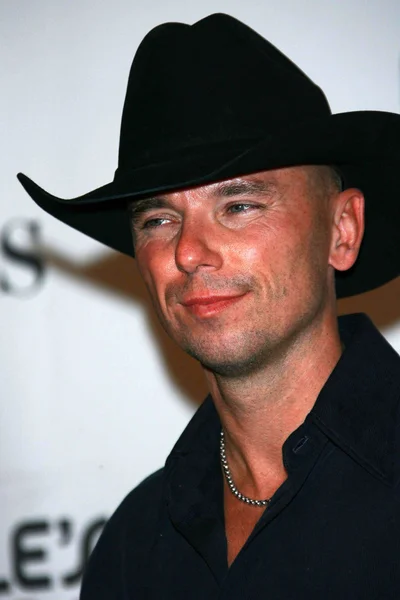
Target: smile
[{"x": 206, "y": 306}]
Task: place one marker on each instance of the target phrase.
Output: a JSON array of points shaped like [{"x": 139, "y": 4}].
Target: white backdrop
[{"x": 93, "y": 393}]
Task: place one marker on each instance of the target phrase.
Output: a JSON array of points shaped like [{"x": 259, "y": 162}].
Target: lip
[{"x": 203, "y": 306}]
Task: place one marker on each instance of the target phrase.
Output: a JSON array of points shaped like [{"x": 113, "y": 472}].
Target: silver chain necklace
[{"x": 229, "y": 480}]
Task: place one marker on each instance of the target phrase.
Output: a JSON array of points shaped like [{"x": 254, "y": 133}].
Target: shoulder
[
  {"x": 138, "y": 510},
  {"x": 135, "y": 519},
  {"x": 143, "y": 499}
]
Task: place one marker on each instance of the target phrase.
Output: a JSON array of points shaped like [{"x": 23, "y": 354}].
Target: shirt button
[{"x": 300, "y": 444}]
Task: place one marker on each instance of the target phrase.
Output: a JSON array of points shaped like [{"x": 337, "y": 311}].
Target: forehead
[{"x": 262, "y": 182}]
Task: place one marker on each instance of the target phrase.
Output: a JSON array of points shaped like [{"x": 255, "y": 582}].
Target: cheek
[
  {"x": 157, "y": 269},
  {"x": 266, "y": 248},
  {"x": 281, "y": 252}
]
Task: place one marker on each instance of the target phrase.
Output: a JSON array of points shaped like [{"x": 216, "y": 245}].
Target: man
[{"x": 245, "y": 200}]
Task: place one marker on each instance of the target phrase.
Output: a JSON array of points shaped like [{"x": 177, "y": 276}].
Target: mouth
[{"x": 206, "y": 306}]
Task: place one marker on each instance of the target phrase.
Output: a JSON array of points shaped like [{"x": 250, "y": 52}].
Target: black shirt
[{"x": 332, "y": 530}]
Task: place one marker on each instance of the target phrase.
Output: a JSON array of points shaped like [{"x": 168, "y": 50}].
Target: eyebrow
[
  {"x": 225, "y": 189},
  {"x": 138, "y": 207},
  {"x": 254, "y": 187}
]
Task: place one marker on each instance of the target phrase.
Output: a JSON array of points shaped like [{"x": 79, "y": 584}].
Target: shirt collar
[
  {"x": 358, "y": 406},
  {"x": 202, "y": 431}
]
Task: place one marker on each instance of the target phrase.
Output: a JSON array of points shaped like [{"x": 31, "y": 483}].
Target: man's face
[{"x": 237, "y": 270}]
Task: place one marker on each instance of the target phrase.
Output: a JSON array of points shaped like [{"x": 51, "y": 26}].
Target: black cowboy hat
[{"x": 213, "y": 101}]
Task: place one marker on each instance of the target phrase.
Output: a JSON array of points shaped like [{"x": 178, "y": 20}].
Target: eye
[
  {"x": 154, "y": 222},
  {"x": 240, "y": 207}
]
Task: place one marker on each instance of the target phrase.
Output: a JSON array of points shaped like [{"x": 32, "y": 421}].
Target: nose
[{"x": 197, "y": 248}]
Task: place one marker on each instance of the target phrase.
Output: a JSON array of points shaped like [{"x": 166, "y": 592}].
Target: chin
[
  {"x": 230, "y": 363},
  {"x": 232, "y": 369}
]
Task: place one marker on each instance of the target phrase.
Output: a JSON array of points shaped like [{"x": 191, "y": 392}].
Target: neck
[{"x": 258, "y": 412}]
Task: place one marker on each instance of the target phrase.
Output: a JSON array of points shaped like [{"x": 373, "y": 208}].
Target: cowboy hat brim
[{"x": 364, "y": 145}]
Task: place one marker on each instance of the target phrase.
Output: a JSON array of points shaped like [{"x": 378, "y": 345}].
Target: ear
[{"x": 347, "y": 228}]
